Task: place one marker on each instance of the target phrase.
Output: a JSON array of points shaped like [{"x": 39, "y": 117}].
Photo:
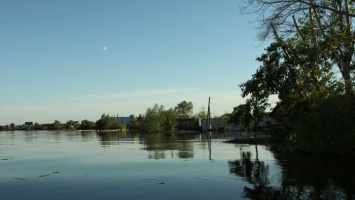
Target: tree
[
  {"x": 132, "y": 117},
  {"x": 12, "y": 126},
  {"x": 106, "y": 122},
  {"x": 37, "y": 126},
  {"x": 170, "y": 119},
  {"x": 294, "y": 77},
  {"x": 184, "y": 109},
  {"x": 312, "y": 43},
  {"x": 159, "y": 119},
  {"x": 242, "y": 117},
  {"x": 140, "y": 118},
  {"x": 257, "y": 107},
  {"x": 86, "y": 125},
  {"x": 153, "y": 119},
  {"x": 136, "y": 122},
  {"x": 327, "y": 24},
  {"x": 202, "y": 114},
  {"x": 56, "y": 125}
]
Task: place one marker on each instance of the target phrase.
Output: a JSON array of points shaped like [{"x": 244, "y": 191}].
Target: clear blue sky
[{"x": 74, "y": 60}]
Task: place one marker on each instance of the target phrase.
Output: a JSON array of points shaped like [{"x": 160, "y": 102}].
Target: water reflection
[
  {"x": 209, "y": 141},
  {"x": 87, "y": 136},
  {"x": 254, "y": 171},
  {"x": 302, "y": 177},
  {"x": 158, "y": 145},
  {"x": 36, "y": 161},
  {"x": 111, "y": 138},
  {"x": 317, "y": 177}
]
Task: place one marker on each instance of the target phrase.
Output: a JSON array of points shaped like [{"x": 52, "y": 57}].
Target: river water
[{"x": 87, "y": 165}]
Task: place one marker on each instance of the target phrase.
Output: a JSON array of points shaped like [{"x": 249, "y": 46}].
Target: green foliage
[
  {"x": 184, "y": 109},
  {"x": 37, "y": 126},
  {"x": 132, "y": 117},
  {"x": 257, "y": 107},
  {"x": 136, "y": 122},
  {"x": 56, "y": 125},
  {"x": 171, "y": 116},
  {"x": 135, "y": 126},
  {"x": 159, "y": 119},
  {"x": 307, "y": 90},
  {"x": 153, "y": 119},
  {"x": 327, "y": 128},
  {"x": 317, "y": 104},
  {"x": 86, "y": 125},
  {"x": 202, "y": 114},
  {"x": 325, "y": 28},
  {"x": 242, "y": 116},
  {"x": 106, "y": 122},
  {"x": 120, "y": 126}
]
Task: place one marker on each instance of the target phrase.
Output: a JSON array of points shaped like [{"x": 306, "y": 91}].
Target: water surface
[{"x": 88, "y": 165}]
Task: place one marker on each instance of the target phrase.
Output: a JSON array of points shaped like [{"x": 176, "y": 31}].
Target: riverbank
[{"x": 292, "y": 149}]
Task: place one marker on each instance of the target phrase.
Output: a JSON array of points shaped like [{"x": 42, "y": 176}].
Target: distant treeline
[{"x": 155, "y": 119}]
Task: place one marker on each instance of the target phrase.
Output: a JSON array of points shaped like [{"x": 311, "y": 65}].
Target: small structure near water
[{"x": 218, "y": 125}]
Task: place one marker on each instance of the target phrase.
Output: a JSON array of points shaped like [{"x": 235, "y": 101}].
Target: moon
[{"x": 104, "y": 48}]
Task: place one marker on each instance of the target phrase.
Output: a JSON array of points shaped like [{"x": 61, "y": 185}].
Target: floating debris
[
  {"x": 45, "y": 175},
  {"x": 158, "y": 181},
  {"x": 6, "y": 158},
  {"x": 20, "y": 179}
]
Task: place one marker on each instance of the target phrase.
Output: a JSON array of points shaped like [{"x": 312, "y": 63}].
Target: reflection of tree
[
  {"x": 110, "y": 138},
  {"x": 185, "y": 149},
  {"x": 255, "y": 172},
  {"x": 87, "y": 136},
  {"x": 317, "y": 177},
  {"x": 83, "y": 136},
  {"x": 158, "y": 143},
  {"x": 29, "y": 136},
  {"x": 303, "y": 177},
  {"x": 262, "y": 192}
]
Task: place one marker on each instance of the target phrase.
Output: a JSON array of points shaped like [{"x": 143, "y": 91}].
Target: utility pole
[
  {"x": 208, "y": 124},
  {"x": 208, "y": 128}
]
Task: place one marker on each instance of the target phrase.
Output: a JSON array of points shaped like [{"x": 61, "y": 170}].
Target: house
[
  {"x": 218, "y": 124},
  {"x": 275, "y": 115},
  {"x": 185, "y": 124},
  {"x": 123, "y": 120},
  {"x": 263, "y": 123},
  {"x": 28, "y": 123}
]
